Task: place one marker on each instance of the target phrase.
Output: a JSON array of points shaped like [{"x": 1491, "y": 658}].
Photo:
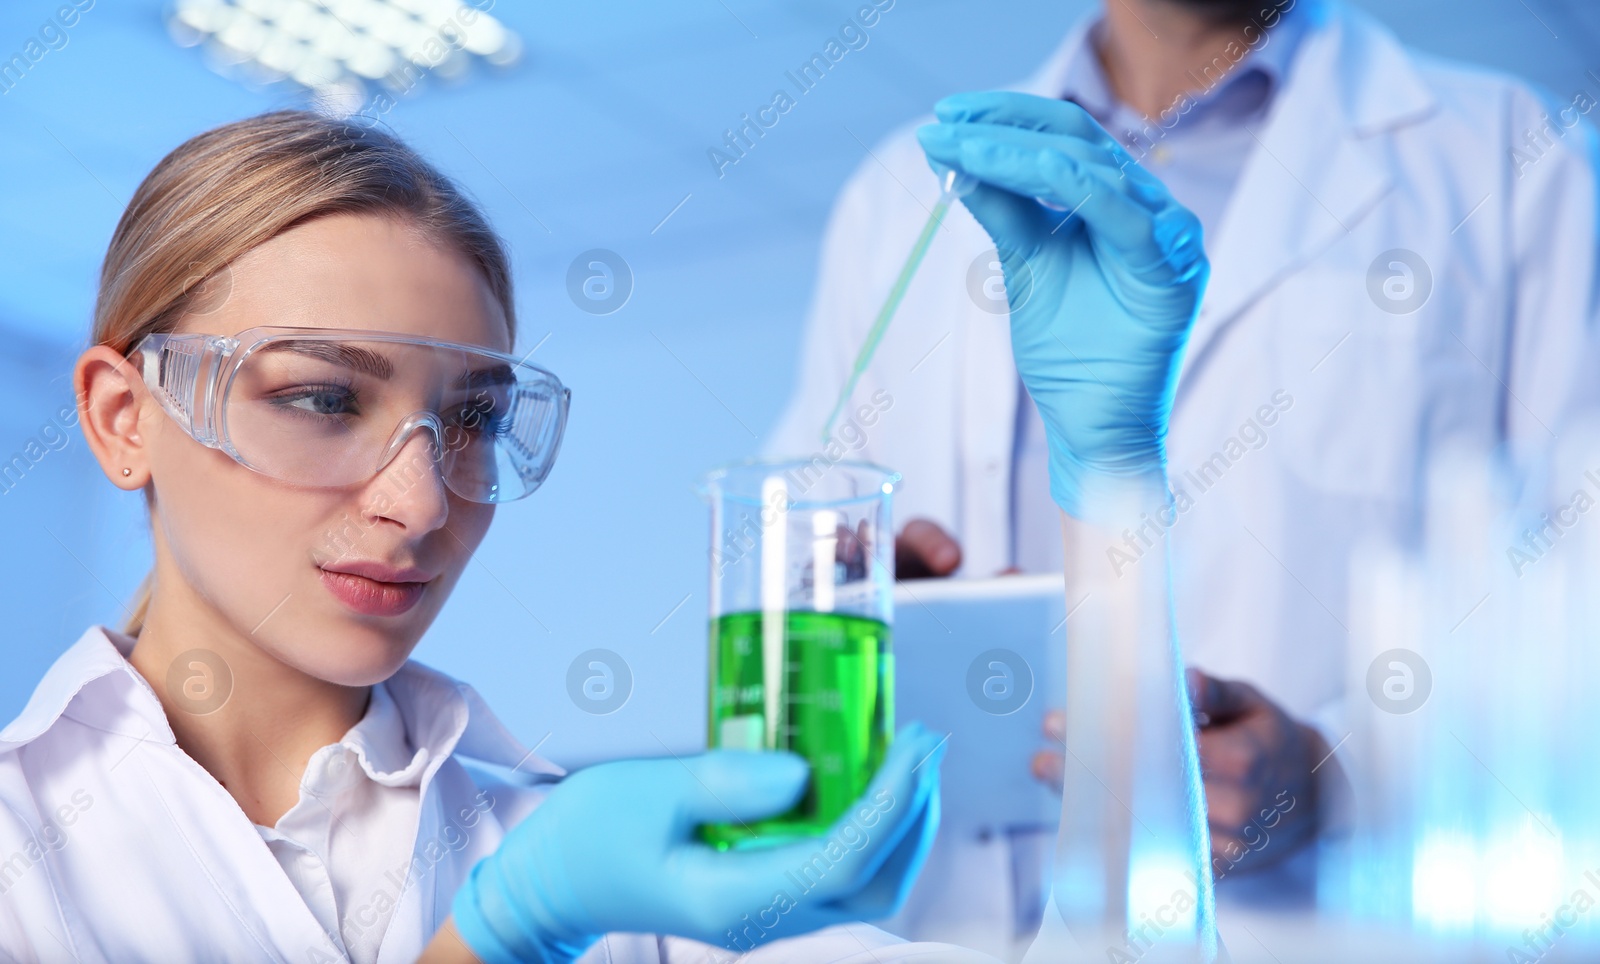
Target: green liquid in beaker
[{"x": 837, "y": 712}]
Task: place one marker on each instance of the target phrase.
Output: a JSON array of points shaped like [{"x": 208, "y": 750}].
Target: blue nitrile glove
[
  {"x": 1101, "y": 300},
  {"x": 614, "y": 848}
]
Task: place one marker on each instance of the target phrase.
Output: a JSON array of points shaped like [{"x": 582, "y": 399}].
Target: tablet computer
[{"x": 982, "y": 660}]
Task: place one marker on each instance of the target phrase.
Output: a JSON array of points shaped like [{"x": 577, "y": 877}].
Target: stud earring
[{"x": 127, "y": 472}]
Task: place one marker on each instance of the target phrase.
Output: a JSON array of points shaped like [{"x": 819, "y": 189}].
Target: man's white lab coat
[
  {"x": 1306, "y": 414},
  {"x": 116, "y": 846}
]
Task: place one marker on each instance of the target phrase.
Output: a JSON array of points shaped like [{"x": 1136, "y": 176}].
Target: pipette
[{"x": 952, "y": 185}]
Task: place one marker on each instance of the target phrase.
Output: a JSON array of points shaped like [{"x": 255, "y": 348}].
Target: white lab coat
[
  {"x": 1369, "y": 147},
  {"x": 116, "y": 846}
]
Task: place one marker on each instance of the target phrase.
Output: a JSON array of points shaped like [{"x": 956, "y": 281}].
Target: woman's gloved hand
[
  {"x": 613, "y": 848},
  {"x": 1102, "y": 292}
]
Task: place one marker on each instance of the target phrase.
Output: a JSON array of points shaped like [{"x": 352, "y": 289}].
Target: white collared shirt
[
  {"x": 115, "y": 845},
  {"x": 343, "y": 843}
]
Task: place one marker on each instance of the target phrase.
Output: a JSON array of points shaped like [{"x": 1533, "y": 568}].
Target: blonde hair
[{"x": 222, "y": 193}]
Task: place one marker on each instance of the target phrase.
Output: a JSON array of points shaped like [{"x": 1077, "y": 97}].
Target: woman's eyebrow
[
  {"x": 497, "y": 375},
  {"x": 375, "y": 364},
  {"x": 350, "y": 356}
]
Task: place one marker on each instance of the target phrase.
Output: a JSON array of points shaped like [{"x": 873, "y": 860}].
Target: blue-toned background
[{"x": 597, "y": 139}]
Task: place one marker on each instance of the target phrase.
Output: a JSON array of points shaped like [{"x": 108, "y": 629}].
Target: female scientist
[{"x": 301, "y": 355}]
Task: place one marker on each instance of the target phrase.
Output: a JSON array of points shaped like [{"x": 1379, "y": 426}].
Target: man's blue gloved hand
[
  {"x": 1101, "y": 300},
  {"x": 613, "y": 848}
]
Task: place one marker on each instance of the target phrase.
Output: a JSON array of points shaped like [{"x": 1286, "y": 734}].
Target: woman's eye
[
  {"x": 482, "y": 416},
  {"x": 329, "y": 401}
]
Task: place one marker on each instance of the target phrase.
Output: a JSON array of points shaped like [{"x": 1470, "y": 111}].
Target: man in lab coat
[{"x": 1403, "y": 253}]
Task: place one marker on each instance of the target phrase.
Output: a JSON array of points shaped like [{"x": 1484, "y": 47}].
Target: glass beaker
[{"x": 802, "y": 600}]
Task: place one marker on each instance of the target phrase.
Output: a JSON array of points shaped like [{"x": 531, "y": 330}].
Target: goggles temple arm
[{"x": 181, "y": 371}]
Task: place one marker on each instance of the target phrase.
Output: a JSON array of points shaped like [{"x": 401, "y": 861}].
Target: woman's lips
[{"x": 371, "y": 597}]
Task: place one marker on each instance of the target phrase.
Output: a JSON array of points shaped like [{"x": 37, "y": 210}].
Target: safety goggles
[{"x": 333, "y": 407}]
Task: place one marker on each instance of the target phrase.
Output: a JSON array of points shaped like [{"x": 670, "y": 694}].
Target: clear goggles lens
[{"x": 315, "y": 408}]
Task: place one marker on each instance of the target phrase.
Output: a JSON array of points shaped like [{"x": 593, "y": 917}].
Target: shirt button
[
  {"x": 992, "y": 467},
  {"x": 1160, "y": 154},
  {"x": 343, "y": 772}
]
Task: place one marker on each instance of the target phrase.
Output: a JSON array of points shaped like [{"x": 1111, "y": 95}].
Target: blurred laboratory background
[{"x": 582, "y": 128}]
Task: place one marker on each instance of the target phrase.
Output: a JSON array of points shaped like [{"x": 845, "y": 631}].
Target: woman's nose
[{"x": 410, "y": 490}]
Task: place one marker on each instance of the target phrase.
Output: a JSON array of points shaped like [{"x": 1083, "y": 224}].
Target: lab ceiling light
[{"x": 344, "y": 52}]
